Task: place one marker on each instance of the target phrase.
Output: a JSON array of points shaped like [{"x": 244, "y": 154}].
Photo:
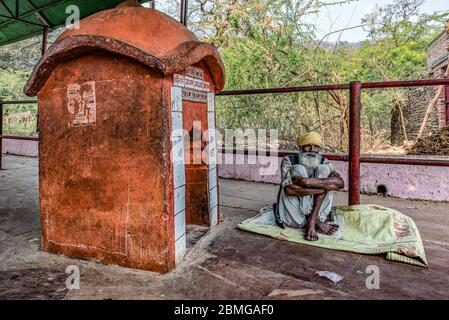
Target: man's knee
[
  {"x": 299, "y": 170},
  {"x": 323, "y": 171}
]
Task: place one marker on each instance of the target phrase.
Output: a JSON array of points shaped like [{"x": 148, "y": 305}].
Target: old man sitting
[{"x": 305, "y": 196}]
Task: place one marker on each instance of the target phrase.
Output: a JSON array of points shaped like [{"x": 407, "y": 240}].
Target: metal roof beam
[
  {"x": 26, "y": 14},
  {"x": 7, "y": 9},
  {"x": 17, "y": 14},
  {"x": 42, "y": 19},
  {"x": 40, "y": 15},
  {"x": 21, "y": 20}
]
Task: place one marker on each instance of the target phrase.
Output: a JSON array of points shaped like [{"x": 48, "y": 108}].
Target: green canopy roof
[{"x": 21, "y": 19}]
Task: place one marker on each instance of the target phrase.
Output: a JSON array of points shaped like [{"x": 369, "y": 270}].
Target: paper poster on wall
[{"x": 81, "y": 103}]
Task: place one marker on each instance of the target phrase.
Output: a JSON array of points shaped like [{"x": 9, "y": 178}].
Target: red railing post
[
  {"x": 44, "y": 40},
  {"x": 184, "y": 12},
  {"x": 1, "y": 134},
  {"x": 355, "y": 90}
]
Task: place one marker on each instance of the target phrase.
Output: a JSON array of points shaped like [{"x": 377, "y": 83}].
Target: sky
[{"x": 348, "y": 15}]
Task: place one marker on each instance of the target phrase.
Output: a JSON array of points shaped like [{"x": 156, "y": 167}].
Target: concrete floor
[{"x": 225, "y": 264}]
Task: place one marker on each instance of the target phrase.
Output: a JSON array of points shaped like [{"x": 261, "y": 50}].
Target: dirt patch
[
  {"x": 194, "y": 233},
  {"x": 34, "y": 284},
  {"x": 436, "y": 144},
  {"x": 18, "y": 221}
]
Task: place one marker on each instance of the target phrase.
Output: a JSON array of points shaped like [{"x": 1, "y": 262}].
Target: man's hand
[
  {"x": 297, "y": 191},
  {"x": 334, "y": 174},
  {"x": 300, "y": 181},
  {"x": 331, "y": 183}
]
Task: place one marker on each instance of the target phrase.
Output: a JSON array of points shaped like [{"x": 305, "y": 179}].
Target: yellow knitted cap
[{"x": 310, "y": 138}]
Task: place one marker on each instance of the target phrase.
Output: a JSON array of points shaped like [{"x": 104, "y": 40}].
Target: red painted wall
[{"x": 103, "y": 187}]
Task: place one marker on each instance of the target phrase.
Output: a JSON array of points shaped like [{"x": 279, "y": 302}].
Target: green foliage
[
  {"x": 17, "y": 60},
  {"x": 18, "y": 119},
  {"x": 398, "y": 39},
  {"x": 268, "y": 43}
]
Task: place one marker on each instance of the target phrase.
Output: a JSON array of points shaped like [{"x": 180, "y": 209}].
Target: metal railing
[
  {"x": 409, "y": 160},
  {"x": 13, "y": 137},
  {"x": 354, "y": 157}
]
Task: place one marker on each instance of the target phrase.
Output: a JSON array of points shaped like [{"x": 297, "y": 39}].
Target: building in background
[{"x": 417, "y": 99}]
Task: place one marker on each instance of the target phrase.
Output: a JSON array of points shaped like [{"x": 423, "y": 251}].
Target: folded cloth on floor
[{"x": 367, "y": 229}]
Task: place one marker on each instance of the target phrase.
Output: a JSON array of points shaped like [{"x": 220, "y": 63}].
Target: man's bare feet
[
  {"x": 311, "y": 234},
  {"x": 326, "y": 228}
]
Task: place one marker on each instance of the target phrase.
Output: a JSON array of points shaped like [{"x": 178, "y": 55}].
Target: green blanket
[{"x": 368, "y": 229}]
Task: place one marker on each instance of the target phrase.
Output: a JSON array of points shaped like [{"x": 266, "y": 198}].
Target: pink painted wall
[
  {"x": 403, "y": 181},
  {"x": 20, "y": 147}
]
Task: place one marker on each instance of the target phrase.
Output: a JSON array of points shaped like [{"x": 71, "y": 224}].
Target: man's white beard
[{"x": 309, "y": 160}]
